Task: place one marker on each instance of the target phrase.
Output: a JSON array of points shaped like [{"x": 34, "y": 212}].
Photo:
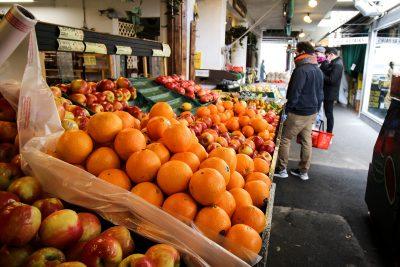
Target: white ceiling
[{"x": 275, "y": 20}]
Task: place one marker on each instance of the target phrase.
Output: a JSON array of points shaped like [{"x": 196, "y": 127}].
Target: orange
[
  {"x": 189, "y": 158},
  {"x": 222, "y": 128},
  {"x": 129, "y": 141},
  {"x": 242, "y": 197},
  {"x": 227, "y": 203},
  {"x": 203, "y": 112},
  {"x": 213, "y": 109},
  {"x": 142, "y": 166},
  {"x": 182, "y": 206},
  {"x": 264, "y": 135},
  {"x": 227, "y": 104},
  {"x": 248, "y": 131},
  {"x": 236, "y": 181},
  {"x": 101, "y": 159},
  {"x": 259, "y": 192},
  {"x": 242, "y": 236},
  {"x": 244, "y": 120},
  {"x": 74, "y": 146},
  {"x": 218, "y": 164},
  {"x": 206, "y": 186},
  {"x": 254, "y": 176},
  {"x": 212, "y": 222},
  {"x": 223, "y": 117},
  {"x": 220, "y": 108},
  {"x": 173, "y": 177},
  {"x": 251, "y": 216},
  {"x": 245, "y": 164},
  {"x": 239, "y": 108},
  {"x": 161, "y": 151},
  {"x": 177, "y": 138},
  {"x": 199, "y": 151},
  {"x": 250, "y": 113},
  {"x": 161, "y": 109},
  {"x": 261, "y": 165},
  {"x": 156, "y": 127},
  {"x": 117, "y": 177},
  {"x": 149, "y": 192},
  {"x": 104, "y": 126},
  {"x": 128, "y": 121},
  {"x": 259, "y": 124},
  {"x": 174, "y": 121},
  {"x": 136, "y": 124},
  {"x": 227, "y": 154},
  {"x": 144, "y": 122},
  {"x": 215, "y": 118},
  {"x": 232, "y": 124}
]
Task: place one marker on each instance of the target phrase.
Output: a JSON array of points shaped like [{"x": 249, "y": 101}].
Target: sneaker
[
  {"x": 302, "y": 175},
  {"x": 281, "y": 174}
]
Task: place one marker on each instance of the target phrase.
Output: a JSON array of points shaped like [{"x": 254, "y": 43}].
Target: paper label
[
  {"x": 70, "y": 33},
  {"x": 95, "y": 48},
  {"x": 70, "y": 46},
  {"x": 89, "y": 60},
  {"x": 123, "y": 50},
  {"x": 166, "y": 50},
  {"x": 158, "y": 53},
  {"x": 202, "y": 73},
  {"x": 353, "y": 67}
]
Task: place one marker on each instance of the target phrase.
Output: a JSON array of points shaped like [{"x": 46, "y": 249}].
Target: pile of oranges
[{"x": 160, "y": 160}]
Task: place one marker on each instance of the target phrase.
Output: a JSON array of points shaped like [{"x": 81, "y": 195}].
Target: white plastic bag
[{"x": 39, "y": 129}]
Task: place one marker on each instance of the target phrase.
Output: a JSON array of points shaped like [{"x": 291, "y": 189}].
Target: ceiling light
[
  {"x": 18, "y": 1},
  {"x": 302, "y": 34},
  {"x": 307, "y": 18},
  {"x": 312, "y": 3}
]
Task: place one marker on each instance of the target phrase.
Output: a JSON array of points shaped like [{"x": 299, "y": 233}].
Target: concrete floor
[{"x": 328, "y": 211}]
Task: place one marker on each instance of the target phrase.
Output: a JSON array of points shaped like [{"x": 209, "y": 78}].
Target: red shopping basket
[{"x": 320, "y": 138}]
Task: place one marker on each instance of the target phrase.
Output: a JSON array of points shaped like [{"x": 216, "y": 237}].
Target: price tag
[
  {"x": 158, "y": 53},
  {"x": 95, "y": 48},
  {"x": 166, "y": 50},
  {"x": 70, "y": 46},
  {"x": 70, "y": 33},
  {"x": 202, "y": 73},
  {"x": 89, "y": 60},
  {"x": 123, "y": 50},
  {"x": 353, "y": 67}
]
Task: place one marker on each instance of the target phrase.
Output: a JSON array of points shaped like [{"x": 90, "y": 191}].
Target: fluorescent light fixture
[
  {"x": 18, "y": 1},
  {"x": 344, "y": 1},
  {"x": 312, "y": 3},
  {"x": 302, "y": 34},
  {"x": 307, "y": 18},
  {"x": 335, "y": 18}
]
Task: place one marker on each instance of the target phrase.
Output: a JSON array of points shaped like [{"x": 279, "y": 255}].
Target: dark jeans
[{"x": 328, "y": 108}]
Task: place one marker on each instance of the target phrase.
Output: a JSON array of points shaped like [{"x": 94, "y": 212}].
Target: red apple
[
  {"x": 213, "y": 132},
  {"x": 45, "y": 257},
  {"x": 143, "y": 262},
  {"x": 117, "y": 105},
  {"x": 270, "y": 146},
  {"x": 27, "y": 188},
  {"x": 61, "y": 111},
  {"x": 79, "y": 111},
  {"x": 74, "y": 252},
  {"x": 235, "y": 144},
  {"x": 213, "y": 146},
  {"x": 48, "y": 205},
  {"x": 222, "y": 141},
  {"x": 7, "y": 198},
  {"x": 107, "y": 106},
  {"x": 7, "y": 113},
  {"x": 163, "y": 255},
  {"x": 265, "y": 156},
  {"x": 8, "y": 172},
  {"x": 102, "y": 251},
  {"x": 206, "y": 139},
  {"x": 127, "y": 262},
  {"x": 96, "y": 108},
  {"x": 258, "y": 141},
  {"x": 72, "y": 264},
  {"x": 64, "y": 87},
  {"x": 246, "y": 149},
  {"x": 79, "y": 86},
  {"x": 110, "y": 97},
  {"x": 16, "y": 161},
  {"x": 127, "y": 94},
  {"x": 203, "y": 125},
  {"x": 8, "y": 131},
  {"x": 82, "y": 122},
  {"x": 250, "y": 143},
  {"x": 134, "y": 111},
  {"x": 68, "y": 124},
  {"x": 123, "y": 82},
  {"x": 124, "y": 104},
  {"x": 91, "y": 226},
  {"x": 226, "y": 136},
  {"x": 119, "y": 95},
  {"x": 14, "y": 257},
  {"x": 91, "y": 99},
  {"x": 123, "y": 236},
  {"x": 78, "y": 98},
  {"x": 60, "y": 229},
  {"x": 207, "y": 121},
  {"x": 92, "y": 87},
  {"x": 69, "y": 115},
  {"x": 100, "y": 97},
  {"x": 105, "y": 85},
  {"x": 56, "y": 91},
  {"x": 19, "y": 223}
]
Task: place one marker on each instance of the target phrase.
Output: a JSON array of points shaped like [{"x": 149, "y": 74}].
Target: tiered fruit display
[
  {"x": 188, "y": 88},
  {"x": 244, "y": 126},
  {"x": 161, "y": 161}
]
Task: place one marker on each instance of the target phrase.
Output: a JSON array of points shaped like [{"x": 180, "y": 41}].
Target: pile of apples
[
  {"x": 106, "y": 95},
  {"x": 187, "y": 88},
  {"x": 37, "y": 230}
]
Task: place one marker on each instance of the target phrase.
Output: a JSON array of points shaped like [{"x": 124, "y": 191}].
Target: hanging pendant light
[
  {"x": 312, "y": 3},
  {"x": 307, "y": 18},
  {"x": 302, "y": 34}
]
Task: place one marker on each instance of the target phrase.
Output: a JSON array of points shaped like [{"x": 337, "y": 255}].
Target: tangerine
[
  {"x": 156, "y": 127},
  {"x": 233, "y": 124},
  {"x": 261, "y": 165},
  {"x": 218, "y": 164},
  {"x": 259, "y": 192},
  {"x": 142, "y": 166},
  {"x": 104, "y": 126},
  {"x": 212, "y": 222},
  {"x": 74, "y": 146},
  {"x": 182, "y": 206},
  {"x": 149, "y": 192},
  {"x": 245, "y": 164},
  {"x": 129, "y": 141},
  {"x": 227, "y": 203},
  {"x": 177, "y": 138},
  {"x": 161, "y": 151},
  {"x": 248, "y": 131},
  {"x": 117, "y": 177},
  {"x": 161, "y": 109},
  {"x": 242, "y": 197},
  {"x": 189, "y": 158},
  {"x": 236, "y": 181},
  {"x": 199, "y": 151},
  {"x": 173, "y": 177},
  {"x": 242, "y": 236},
  {"x": 258, "y": 176},
  {"x": 227, "y": 154},
  {"x": 259, "y": 124},
  {"x": 203, "y": 112},
  {"x": 206, "y": 186},
  {"x": 251, "y": 216},
  {"x": 128, "y": 121},
  {"x": 101, "y": 159},
  {"x": 244, "y": 120}
]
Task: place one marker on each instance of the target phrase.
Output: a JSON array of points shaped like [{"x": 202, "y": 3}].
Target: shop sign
[
  {"x": 95, "y": 48},
  {"x": 388, "y": 40},
  {"x": 166, "y": 50},
  {"x": 123, "y": 50},
  {"x": 89, "y": 60},
  {"x": 335, "y": 42},
  {"x": 70, "y": 46},
  {"x": 158, "y": 53},
  {"x": 70, "y": 33}
]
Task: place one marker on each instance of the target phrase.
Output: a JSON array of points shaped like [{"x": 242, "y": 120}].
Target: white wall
[
  {"x": 70, "y": 12},
  {"x": 239, "y": 54},
  {"x": 211, "y": 33},
  {"x": 274, "y": 56}
]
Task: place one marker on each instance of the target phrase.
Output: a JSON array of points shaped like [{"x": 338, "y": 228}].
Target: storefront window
[{"x": 386, "y": 62}]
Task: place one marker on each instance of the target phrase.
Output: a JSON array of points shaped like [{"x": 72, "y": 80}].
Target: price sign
[
  {"x": 123, "y": 50},
  {"x": 89, "y": 60},
  {"x": 70, "y": 46},
  {"x": 202, "y": 73},
  {"x": 166, "y": 50},
  {"x": 95, "y": 48},
  {"x": 158, "y": 53},
  {"x": 70, "y": 33}
]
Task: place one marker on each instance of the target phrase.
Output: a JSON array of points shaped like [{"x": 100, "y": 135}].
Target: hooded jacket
[
  {"x": 332, "y": 78},
  {"x": 305, "y": 90}
]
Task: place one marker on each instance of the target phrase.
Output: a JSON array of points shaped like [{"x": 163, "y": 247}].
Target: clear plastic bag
[{"x": 39, "y": 129}]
